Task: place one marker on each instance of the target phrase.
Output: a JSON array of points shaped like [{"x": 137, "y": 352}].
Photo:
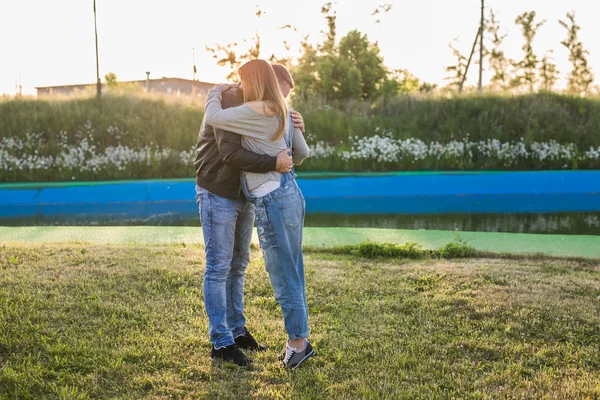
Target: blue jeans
[
  {"x": 279, "y": 222},
  {"x": 227, "y": 228}
]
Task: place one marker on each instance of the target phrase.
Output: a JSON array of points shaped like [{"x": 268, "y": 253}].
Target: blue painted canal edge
[{"x": 329, "y": 193}]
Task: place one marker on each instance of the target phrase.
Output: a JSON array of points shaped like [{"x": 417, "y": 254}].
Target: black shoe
[
  {"x": 247, "y": 342},
  {"x": 230, "y": 353}
]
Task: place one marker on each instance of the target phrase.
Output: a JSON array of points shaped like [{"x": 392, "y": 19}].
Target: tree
[
  {"x": 526, "y": 69},
  {"x": 352, "y": 69},
  {"x": 231, "y": 58},
  {"x": 401, "y": 81},
  {"x": 285, "y": 61},
  {"x": 458, "y": 70},
  {"x": 580, "y": 78},
  {"x": 364, "y": 56},
  {"x": 548, "y": 72},
  {"x": 336, "y": 77},
  {"x": 111, "y": 80},
  {"x": 427, "y": 87},
  {"x": 305, "y": 72},
  {"x": 113, "y": 85},
  {"x": 228, "y": 55},
  {"x": 312, "y": 68},
  {"x": 381, "y": 9},
  {"x": 345, "y": 81},
  {"x": 328, "y": 46},
  {"x": 499, "y": 64}
]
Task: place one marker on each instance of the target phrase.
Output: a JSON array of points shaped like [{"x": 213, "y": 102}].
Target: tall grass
[
  {"x": 536, "y": 117},
  {"x": 175, "y": 124},
  {"x": 144, "y": 120},
  {"x": 164, "y": 130}
]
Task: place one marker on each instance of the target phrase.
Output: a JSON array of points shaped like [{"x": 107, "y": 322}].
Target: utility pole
[
  {"x": 479, "y": 37},
  {"x": 98, "y": 81},
  {"x": 481, "y": 27},
  {"x": 464, "y": 78},
  {"x": 19, "y": 86}
]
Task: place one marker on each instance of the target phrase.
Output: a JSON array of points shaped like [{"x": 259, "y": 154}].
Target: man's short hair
[{"x": 283, "y": 74}]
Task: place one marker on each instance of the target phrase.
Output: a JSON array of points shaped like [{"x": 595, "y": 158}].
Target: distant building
[{"x": 172, "y": 86}]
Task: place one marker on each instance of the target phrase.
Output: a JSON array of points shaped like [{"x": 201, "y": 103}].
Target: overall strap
[
  {"x": 290, "y": 131},
  {"x": 288, "y": 135}
]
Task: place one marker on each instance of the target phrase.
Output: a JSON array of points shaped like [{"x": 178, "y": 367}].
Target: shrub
[
  {"x": 387, "y": 250},
  {"x": 456, "y": 250}
]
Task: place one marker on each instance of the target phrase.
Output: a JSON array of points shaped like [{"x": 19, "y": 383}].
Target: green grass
[{"x": 117, "y": 321}]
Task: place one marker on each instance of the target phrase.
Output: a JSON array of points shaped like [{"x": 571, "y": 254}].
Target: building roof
[{"x": 138, "y": 81}]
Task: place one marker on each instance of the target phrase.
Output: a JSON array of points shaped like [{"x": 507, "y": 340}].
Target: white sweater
[{"x": 257, "y": 131}]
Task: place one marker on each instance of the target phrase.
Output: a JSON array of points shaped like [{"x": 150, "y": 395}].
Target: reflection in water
[{"x": 559, "y": 223}]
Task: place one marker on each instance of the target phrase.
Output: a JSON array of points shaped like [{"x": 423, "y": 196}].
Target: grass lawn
[{"x": 126, "y": 322}]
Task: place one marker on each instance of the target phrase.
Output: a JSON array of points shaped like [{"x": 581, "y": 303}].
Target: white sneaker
[{"x": 294, "y": 358}]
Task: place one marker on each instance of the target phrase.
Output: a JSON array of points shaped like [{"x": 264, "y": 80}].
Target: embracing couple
[{"x": 248, "y": 143}]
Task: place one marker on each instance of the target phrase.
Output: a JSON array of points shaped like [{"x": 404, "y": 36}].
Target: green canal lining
[
  {"x": 301, "y": 175},
  {"x": 515, "y": 243}
]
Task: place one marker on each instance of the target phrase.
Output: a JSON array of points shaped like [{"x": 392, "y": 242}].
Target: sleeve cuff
[{"x": 273, "y": 164}]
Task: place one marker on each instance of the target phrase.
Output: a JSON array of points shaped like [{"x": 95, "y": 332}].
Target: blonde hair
[
  {"x": 261, "y": 84},
  {"x": 283, "y": 74}
]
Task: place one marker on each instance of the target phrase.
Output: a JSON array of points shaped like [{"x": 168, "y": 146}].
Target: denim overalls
[{"x": 279, "y": 222}]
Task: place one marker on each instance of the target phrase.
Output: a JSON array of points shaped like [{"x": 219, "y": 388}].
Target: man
[{"x": 227, "y": 222}]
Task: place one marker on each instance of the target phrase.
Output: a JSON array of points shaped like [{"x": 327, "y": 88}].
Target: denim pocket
[{"x": 292, "y": 213}]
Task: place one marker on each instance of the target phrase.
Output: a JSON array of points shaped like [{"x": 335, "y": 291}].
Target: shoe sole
[{"x": 306, "y": 357}]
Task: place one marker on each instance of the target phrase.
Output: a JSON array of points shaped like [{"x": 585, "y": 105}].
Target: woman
[{"x": 263, "y": 122}]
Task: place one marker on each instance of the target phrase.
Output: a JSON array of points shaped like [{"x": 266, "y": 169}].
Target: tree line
[
  {"x": 352, "y": 67},
  {"x": 530, "y": 73}
]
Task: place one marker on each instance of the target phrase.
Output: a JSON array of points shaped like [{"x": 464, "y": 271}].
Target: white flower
[
  {"x": 321, "y": 150},
  {"x": 30, "y": 152}
]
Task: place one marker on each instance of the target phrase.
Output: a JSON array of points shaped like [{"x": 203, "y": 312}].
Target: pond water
[
  {"x": 552, "y": 202},
  {"x": 556, "y": 223},
  {"x": 584, "y": 223}
]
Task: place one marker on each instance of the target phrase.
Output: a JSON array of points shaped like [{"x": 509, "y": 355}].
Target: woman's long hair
[{"x": 260, "y": 84}]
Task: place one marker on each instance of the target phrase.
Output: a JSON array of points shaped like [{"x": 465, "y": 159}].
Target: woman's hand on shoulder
[
  {"x": 298, "y": 120},
  {"x": 222, "y": 87}
]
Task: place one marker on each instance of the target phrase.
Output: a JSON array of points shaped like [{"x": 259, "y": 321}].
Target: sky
[{"x": 52, "y": 42}]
